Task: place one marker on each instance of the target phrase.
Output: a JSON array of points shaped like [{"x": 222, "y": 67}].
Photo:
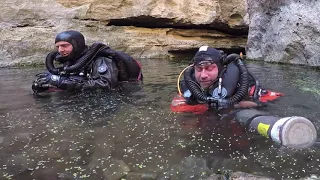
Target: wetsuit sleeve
[
  {"x": 71, "y": 83},
  {"x": 104, "y": 75}
]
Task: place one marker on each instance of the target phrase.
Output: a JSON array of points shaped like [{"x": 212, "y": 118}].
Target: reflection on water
[{"x": 132, "y": 133}]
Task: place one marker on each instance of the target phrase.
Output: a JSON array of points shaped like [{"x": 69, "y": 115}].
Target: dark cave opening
[{"x": 151, "y": 22}]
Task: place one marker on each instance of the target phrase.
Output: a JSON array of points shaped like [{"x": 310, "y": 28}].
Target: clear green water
[{"x": 85, "y": 135}]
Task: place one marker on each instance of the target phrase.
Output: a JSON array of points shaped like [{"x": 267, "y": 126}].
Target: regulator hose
[
  {"x": 244, "y": 82},
  {"x": 194, "y": 87},
  {"x": 49, "y": 63},
  {"x": 198, "y": 93},
  {"x": 84, "y": 61}
]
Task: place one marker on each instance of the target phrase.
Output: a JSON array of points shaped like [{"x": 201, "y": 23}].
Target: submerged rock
[
  {"x": 190, "y": 168},
  {"x": 141, "y": 176},
  {"x": 115, "y": 169}
]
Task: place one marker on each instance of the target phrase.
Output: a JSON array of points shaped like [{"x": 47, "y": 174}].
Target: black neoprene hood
[
  {"x": 206, "y": 53},
  {"x": 76, "y": 39}
]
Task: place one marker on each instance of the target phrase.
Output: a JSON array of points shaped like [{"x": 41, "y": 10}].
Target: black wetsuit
[
  {"x": 103, "y": 73},
  {"x": 94, "y": 67},
  {"x": 230, "y": 83}
]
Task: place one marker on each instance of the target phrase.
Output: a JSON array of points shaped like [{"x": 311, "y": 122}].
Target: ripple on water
[{"x": 133, "y": 133}]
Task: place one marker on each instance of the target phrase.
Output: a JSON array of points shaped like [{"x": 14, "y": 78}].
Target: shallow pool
[{"x": 133, "y": 134}]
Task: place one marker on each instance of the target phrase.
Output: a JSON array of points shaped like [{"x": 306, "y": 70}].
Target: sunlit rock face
[
  {"x": 142, "y": 28},
  {"x": 284, "y": 31},
  {"x": 279, "y": 31}
]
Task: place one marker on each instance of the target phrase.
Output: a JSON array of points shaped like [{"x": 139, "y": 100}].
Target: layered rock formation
[
  {"x": 279, "y": 31},
  {"x": 142, "y": 28}
]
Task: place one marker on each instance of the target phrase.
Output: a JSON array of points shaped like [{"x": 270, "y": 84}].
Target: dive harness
[{"x": 217, "y": 103}]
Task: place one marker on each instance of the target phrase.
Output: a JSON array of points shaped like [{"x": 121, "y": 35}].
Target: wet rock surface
[{"x": 284, "y": 31}]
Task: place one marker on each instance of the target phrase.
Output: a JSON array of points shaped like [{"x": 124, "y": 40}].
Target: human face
[
  {"x": 64, "y": 48},
  {"x": 206, "y": 74}
]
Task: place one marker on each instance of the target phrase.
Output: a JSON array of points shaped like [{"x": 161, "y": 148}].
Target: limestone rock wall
[
  {"x": 285, "y": 31},
  {"x": 142, "y": 28}
]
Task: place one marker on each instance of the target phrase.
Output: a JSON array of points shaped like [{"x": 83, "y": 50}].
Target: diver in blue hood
[{"x": 85, "y": 68}]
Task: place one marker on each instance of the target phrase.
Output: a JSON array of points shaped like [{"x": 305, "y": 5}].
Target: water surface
[{"x": 91, "y": 135}]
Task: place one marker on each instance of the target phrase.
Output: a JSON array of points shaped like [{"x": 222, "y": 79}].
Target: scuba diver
[
  {"x": 217, "y": 81},
  {"x": 81, "y": 67}
]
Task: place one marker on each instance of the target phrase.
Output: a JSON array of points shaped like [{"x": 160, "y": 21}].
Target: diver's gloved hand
[
  {"x": 46, "y": 80},
  {"x": 37, "y": 88},
  {"x": 37, "y": 85}
]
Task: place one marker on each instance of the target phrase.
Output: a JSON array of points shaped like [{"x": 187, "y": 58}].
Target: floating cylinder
[{"x": 294, "y": 132}]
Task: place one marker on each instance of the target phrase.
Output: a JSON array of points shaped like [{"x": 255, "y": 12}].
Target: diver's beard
[
  {"x": 63, "y": 59},
  {"x": 60, "y": 58},
  {"x": 211, "y": 86},
  {"x": 74, "y": 56}
]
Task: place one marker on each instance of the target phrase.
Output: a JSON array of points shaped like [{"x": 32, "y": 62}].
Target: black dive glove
[
  {"x": 37, "y": 85},
  {"x": 46, "y": 80}
]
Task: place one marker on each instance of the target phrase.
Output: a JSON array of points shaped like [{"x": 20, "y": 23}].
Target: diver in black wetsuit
[
  {"x": 85, "y": 68},
  {"x": 216, "y": 81}
]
